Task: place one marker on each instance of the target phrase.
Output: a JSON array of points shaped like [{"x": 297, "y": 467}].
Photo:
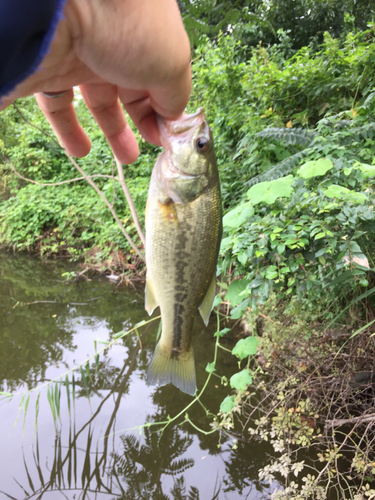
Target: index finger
[
  {"x": 62, "y": 117},
  {"x": 169, "y": 100}
]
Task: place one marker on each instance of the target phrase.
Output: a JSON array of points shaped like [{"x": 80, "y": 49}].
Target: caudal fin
[{"x": 168, "y": 369}]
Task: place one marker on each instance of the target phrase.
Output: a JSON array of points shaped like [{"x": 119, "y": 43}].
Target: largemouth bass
[{"x": 183, "y": 232}]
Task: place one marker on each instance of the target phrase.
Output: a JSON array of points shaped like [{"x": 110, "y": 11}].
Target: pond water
[{"x": 98, "y": 446}]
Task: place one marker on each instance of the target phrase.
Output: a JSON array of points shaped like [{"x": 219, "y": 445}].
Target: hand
[{"x": 133, "y": 51}]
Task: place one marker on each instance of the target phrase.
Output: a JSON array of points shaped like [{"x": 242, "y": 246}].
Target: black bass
[{"x": 183, "y": 233}]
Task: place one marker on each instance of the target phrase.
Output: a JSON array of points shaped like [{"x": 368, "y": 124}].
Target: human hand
[{"x": 133, "y": 51}]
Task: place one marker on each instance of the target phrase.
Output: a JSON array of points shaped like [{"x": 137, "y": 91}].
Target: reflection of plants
[
  {"x": 68, "y": 472},
  {"x": 87, "y": 377},
  {"x": 134, "y": 474},
  {"x": 142, "y": 465}
]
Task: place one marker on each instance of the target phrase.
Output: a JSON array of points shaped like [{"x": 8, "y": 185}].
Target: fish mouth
[
  {"x": 180, "y": 127},
  {"x": 176, "y": 172}
]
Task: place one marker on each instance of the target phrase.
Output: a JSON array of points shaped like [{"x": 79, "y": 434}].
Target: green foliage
[
  {"x": 294, "y": 23},
  {"x": 315, "y": 239},
  {"x": 269, "y": 192},
  {"x": 241, "y": 380},
  {"x": 314, "y": 168},
  {"x": 227, "y": 404},
  {"x": 245, "y": 347},
  {"x": 66, "y": 218}
]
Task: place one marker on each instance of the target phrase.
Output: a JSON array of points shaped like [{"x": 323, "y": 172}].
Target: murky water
[{"x": 102, "y": 446}]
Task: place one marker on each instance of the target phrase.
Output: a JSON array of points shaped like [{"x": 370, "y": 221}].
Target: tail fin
[{"x": 167, "y": 369}]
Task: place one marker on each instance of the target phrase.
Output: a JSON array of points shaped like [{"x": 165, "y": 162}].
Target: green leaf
[
  {"x": 238, "y": 311},
  {"x": 227, "y": 404},
  {"x": 319, "y": 236},
  {"x": 241, "y": 380},
  {"x": 210, "y": 368},
  {"x": 269, "y": 192},
  {"x": 114, "y": 336},
  {"x": 6, "y": 394},
  {"x": 225, "y": 242},
  {"x": 314, "y": 168},
  {"x": 236, "y": 217},
  {"x": 242, "y": 257},
  {"x": 67, "y": 387},
  {"x": 367, "y": 170},
  {"x": 322, "y": 260},
  {"x": 342, "y": 193},
  {"x": 245, "y": 347},
  {"x": 234, "y": 291},
  {"x": 217, "y": 301},
  {"x": 222, "y": 332},
  {"x": 141, "y": 323}
]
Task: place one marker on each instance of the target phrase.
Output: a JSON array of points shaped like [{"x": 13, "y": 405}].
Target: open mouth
[{"x": 182, "y": 128}]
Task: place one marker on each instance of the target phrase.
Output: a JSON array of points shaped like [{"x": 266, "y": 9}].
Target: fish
[{"x": 183, "y": 233}]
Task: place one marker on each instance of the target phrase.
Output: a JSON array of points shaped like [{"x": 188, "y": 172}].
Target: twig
[
  {"x": 103, "y": 197},
  {"x": 198, "y": 57},
  {"x": 56, "y": 183},
  {"x": 129, "y": 200},
  {"x": 354, "y": 420},
  {"x": 55, "y": 302},
  {"x": 266, "y": 317},
  {"x": 91, "y": 182},
  {"x": 39, "y": 302}
]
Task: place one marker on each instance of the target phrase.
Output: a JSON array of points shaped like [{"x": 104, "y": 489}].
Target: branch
[
  {"x": 56, "y": 183},
  {"x": 91, "y": 182},
  {"x": 103, "y": 197},
  {"x": 130, "y": 201},
  {"x": 343, "y": 421}
]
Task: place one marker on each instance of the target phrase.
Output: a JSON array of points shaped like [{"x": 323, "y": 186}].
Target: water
[{"x": 99, "y": 448}]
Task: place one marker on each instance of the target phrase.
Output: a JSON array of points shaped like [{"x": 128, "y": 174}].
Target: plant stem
[{"x": 130, "y": 201}]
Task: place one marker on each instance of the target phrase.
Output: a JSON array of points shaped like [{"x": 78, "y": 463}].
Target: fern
[
  {"x": 295, "y": 136},
  {"x": 193, "y": 493},
  {"x": 179, "y": 466},
  {"x": 280, "y": 169}
]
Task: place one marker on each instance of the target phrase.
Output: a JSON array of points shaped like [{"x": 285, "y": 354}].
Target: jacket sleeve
[{"x": 27, "y": 28}]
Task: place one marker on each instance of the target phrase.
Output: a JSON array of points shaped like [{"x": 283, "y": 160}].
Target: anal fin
[
  {"x": 150, "y": 301},
  {"x": 206, "y": 305}
]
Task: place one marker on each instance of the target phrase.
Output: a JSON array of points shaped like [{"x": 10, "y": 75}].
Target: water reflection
[{"x": 101, "y": 448}]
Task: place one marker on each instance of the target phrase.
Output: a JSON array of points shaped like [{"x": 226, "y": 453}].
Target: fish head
[{"x": 189, "y": 161}]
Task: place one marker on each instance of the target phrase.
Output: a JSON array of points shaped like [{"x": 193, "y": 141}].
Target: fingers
[
  {"x": 170, "y": 99},
  {"x": 138, "y": 104},
  {"x": 102, "y": 100},
  {"x": 61, "y": 115}
]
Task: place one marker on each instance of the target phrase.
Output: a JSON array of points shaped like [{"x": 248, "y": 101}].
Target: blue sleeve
[{"x": 27, "y": 28}]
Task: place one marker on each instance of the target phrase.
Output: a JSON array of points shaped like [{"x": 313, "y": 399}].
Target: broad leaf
[
  {"x": 367, "y": 170},
  {"x": 227, "y": 404},
  {"x": 314, "y": 168},
  {"x": 342, "y": 193},
  {"x": 245, "y": 347},
  {"x": 268, "y": 192},
  {"x": 241, "y": 380},
  {"x": 234, "y": 291},
  {"x": 236, "y": 217}
]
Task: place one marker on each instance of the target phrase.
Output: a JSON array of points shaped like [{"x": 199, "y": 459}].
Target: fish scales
[{"x": 182, "y": 244}]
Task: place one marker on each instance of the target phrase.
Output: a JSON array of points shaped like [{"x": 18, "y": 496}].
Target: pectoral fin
[
  {"x": 206, "y": 305},
  {"x": 150, "y": 300}
]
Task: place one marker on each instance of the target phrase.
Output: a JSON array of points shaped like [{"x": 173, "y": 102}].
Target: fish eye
[{"x": 201, "y": 144}]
